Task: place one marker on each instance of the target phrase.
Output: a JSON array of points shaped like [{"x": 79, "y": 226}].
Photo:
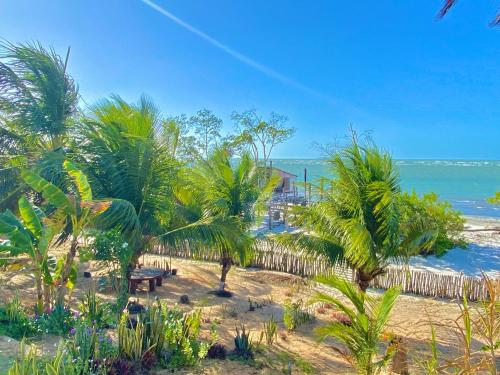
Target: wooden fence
[{"x": 272, "y": 257}]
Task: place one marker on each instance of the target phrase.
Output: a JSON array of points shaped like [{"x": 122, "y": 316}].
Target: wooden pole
[{"x": 305, "y": 184}]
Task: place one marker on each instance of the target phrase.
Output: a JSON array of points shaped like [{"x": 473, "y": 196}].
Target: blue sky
[{"x": 424, "y": 88}]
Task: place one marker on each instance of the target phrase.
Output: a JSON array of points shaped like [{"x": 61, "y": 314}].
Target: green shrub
[
  {"x": 59, "y": 321},
  {"x": 295, "y": 315},
  {"x": 243, "y": 345},
  {"x": 182, "y": 345},
  {"x": 14, "y": 322},
  {"x": 435, "y": 215}
]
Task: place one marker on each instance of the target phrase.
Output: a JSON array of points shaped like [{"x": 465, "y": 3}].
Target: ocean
[{"x": 466, "y": 184}]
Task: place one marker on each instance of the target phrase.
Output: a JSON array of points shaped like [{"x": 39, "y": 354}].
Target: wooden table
[{"x": 153, "y": 275}]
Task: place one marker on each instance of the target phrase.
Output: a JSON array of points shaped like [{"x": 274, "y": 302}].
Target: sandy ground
[{"x": 299, "y": 349}]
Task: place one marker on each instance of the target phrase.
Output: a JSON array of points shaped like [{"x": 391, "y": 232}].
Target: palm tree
[
  {"x": 38, "y": 102},
  {"x": 363, "y": 329},
  {"x": 228, "y": 199},
  {"x": 126, "y": 156},
  {"x": 360, "y": 219}
]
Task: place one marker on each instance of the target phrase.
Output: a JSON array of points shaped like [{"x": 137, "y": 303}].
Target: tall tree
[
  {"x": 38, "y": 103},
  {"x": 260, "y": 136},
  {"x": 360, "y": 219},
  {"x": 226, "y": 197},
  {"x": 126, "y": 157},
  {"x": 206, "y": 127}
]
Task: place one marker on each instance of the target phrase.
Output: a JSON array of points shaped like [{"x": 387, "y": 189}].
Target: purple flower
[
  {"x": 76, "y": 314},
  {"x": 110, "y": 340},
  {"x": 72, "y": 331}
]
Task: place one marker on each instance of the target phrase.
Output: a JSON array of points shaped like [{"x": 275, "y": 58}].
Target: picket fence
[{"x": 274, "y": 258}]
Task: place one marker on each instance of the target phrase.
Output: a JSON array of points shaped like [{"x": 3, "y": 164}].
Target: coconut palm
[
  {"x": 226, "y": 197},
  {"x": 122, "y": 153},
  {"x": 38, "y": 102},
  {"x": 359, "y": 220},
  {"x": 362, "y": 328}
]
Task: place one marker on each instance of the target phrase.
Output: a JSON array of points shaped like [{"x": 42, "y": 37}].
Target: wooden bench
[{"x": 153, "y": 275}]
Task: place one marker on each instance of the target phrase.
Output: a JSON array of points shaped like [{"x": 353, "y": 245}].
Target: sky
[{"x": 423, "y": 88}]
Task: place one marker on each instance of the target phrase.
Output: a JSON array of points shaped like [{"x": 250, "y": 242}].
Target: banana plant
[
  {"x": 80, "y": 210},
  {"x": 31, "y": 234}
]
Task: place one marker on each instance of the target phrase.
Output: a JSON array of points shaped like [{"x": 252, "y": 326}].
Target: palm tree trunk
[
  {"x": 66, "y": 271},
  {"x": 363, "y": 279},
  {"x": 225, "y": 263}
]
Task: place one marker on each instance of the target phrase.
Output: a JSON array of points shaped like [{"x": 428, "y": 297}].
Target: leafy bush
[
  {"x": 58, "y": 321},
  {"x": 435, "y": 215},
  {"x": 14, "y": 322},
  {"x": 295, "y": 315},
  {"x": 182, "y": 346}
]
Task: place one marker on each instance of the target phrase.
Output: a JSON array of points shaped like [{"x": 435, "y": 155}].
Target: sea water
[{"x": 466, "y": 184}]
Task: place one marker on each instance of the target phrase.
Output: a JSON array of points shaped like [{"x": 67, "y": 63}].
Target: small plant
[
  {"x": 228, "y": 311},
  {"x": 270, "y": 331},
  {"x": 217, "y": 351},
  {"x": 295, "y": 315},
  {"x": 121, "y": 366},
  {"x": 14, "y": 310},
  {"x": 94, "y": 310},
  {"x": 361, "y": 339},
  {"x": 243, "y": 346}
]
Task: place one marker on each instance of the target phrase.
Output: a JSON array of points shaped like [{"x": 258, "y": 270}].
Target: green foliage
[
  {"x": 94, "y": 310},
  {"x": 38, "y": 102},
  {"x": 58, "y": 321},
  {"x": 14, "y": 322},
  {"x": 270, "y": 331},
  {"x": 221, "y": 201},
  {"x": 257, "y": 135},
  {"x": 360, "y": 219},
  {"x": 439, "y": 215},
  {"x": 294, "y": 314},
  {"x": 168, "y": 334},
  {"x": 243, "y": 345},
  {"x": 495, "y": 199},
  {"x": 182, "y": 345},
  {"x": 87, "y": 351},
  {"x": 110, "y": 247},
  {"x": 368, "y": 317},
  {"x": 30, "y": 234}
]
